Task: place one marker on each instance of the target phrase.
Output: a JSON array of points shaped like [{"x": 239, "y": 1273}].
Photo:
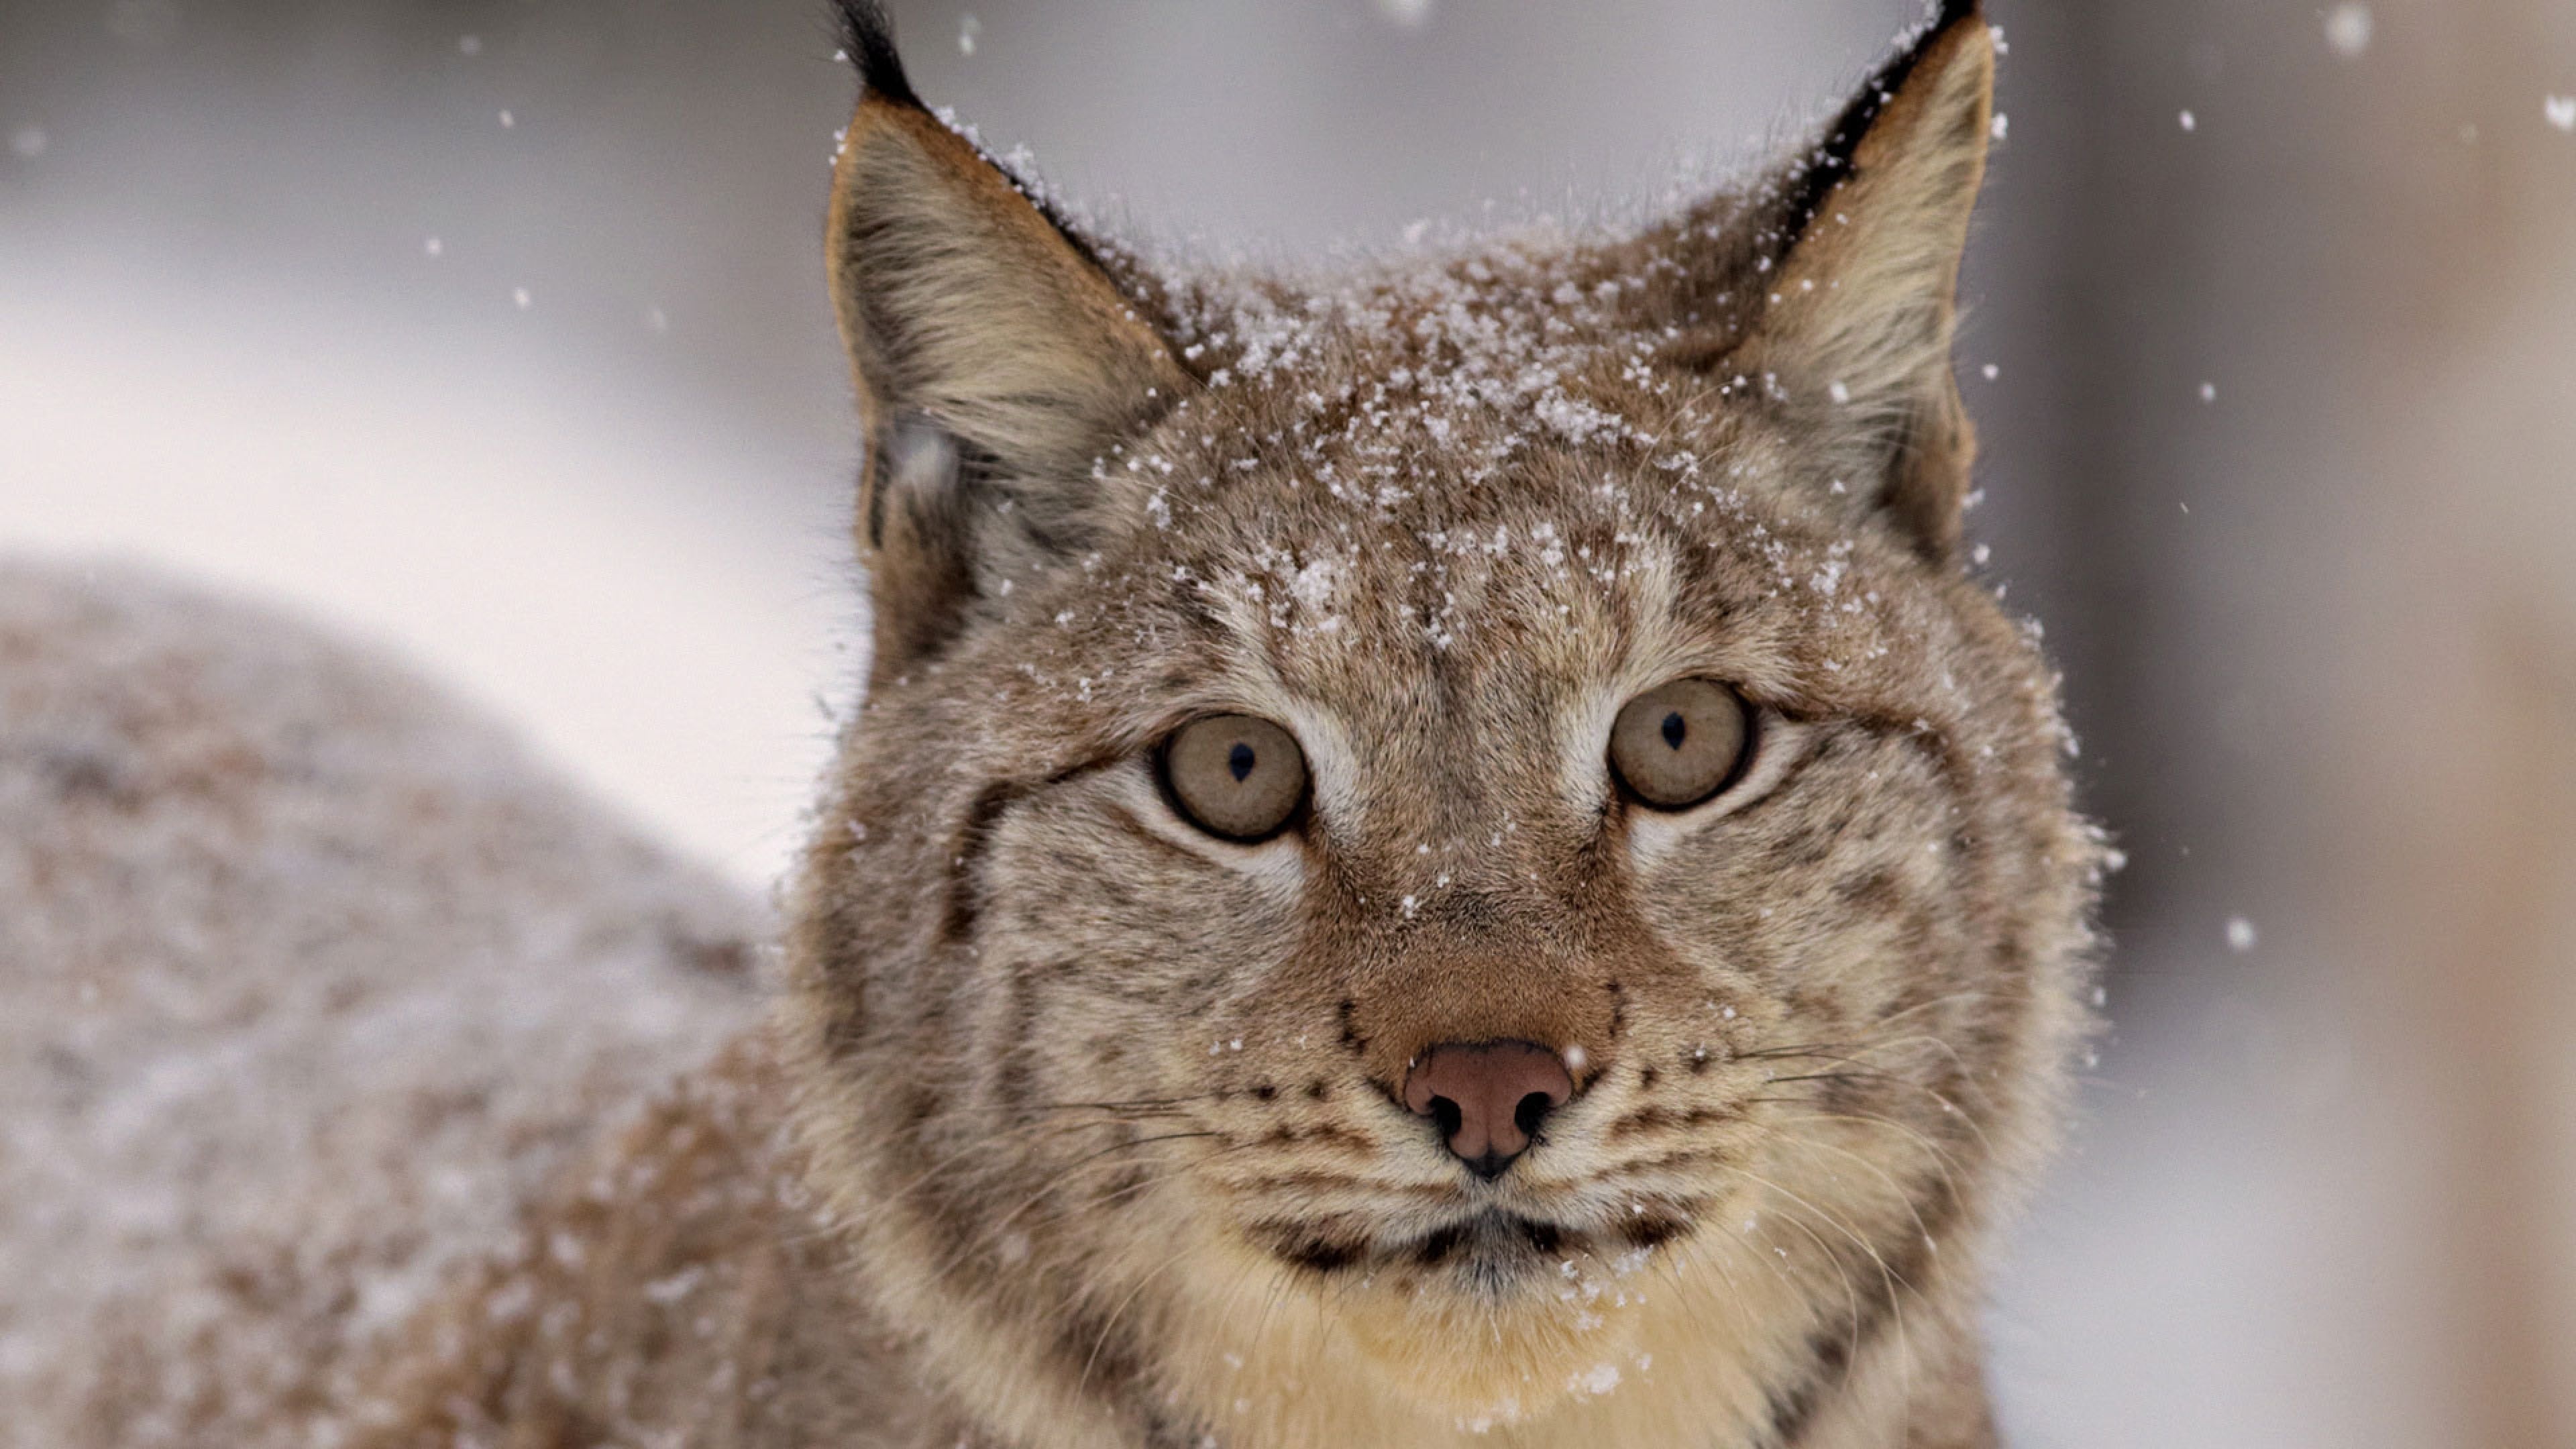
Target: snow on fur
[{"x": 308, "y": 978}]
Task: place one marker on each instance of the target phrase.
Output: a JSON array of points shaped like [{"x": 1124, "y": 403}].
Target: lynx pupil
[
  {"x": 1673, "y": 747},
  {"x": 1236, "y": 776}
]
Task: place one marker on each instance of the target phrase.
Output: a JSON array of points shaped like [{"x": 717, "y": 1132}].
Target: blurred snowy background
[{"x": 494, "y": 330}]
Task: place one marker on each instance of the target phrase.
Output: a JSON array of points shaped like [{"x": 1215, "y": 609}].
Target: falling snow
[{"x": 1498, "y": 365}]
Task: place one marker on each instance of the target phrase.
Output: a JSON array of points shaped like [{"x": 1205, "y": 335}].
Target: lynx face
[{"x": 1461, "y": 826}]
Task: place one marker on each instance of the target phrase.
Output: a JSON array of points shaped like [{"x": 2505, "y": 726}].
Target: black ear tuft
[
  {"x": 868, "y": 37},
  {"x": 1830, "y": 163}
]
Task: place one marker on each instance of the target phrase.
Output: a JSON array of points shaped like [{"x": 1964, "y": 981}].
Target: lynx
[{"x": 1440, "y": 854}]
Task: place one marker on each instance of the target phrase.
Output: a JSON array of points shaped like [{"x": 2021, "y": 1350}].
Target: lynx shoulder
[{"x": 308, "y": 980}]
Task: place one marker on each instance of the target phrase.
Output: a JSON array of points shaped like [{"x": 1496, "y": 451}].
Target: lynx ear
[
  {"x": 1860, "y": 308},
  {"x": 970, "y": 313}
]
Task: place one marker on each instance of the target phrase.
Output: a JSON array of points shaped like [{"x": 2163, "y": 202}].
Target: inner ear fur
[
  {"x": 1858, "y": 313},
  {"x": 967, "y": 307}
]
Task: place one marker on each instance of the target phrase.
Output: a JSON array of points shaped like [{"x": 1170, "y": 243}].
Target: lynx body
[{"x": 1444, "y": 855}]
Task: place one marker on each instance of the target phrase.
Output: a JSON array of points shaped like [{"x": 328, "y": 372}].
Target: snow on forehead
[
  {"x": 1418, "y": 427},
  {"x": 1422, "y": 394},
  {"x": 1480, "y": 355}
]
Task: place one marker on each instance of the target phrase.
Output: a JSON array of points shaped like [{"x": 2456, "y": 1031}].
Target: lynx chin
[{"x": 1441, "y": 854}]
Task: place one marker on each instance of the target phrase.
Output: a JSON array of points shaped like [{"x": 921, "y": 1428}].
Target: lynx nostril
[
  {"x": 1487, "y": 1098},
  {"x": 1445, "y": 1115},
  {"x": 1533, "y": 1107}
]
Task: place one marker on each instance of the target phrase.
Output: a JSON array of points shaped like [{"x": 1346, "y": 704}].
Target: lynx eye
[
  {"x": 1676, "y": 746},
  {"x": 1235, "y": 776}
]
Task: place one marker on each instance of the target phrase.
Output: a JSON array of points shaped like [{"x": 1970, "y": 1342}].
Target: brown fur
[
  {"x": 1080, "y": 1128},
  {"x": 1105, "y": 1107}
]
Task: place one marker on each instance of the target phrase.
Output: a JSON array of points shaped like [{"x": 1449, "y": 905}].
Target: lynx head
[{"x": 1459, "y": 829}]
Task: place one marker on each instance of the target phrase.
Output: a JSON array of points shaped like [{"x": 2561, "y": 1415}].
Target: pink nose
[{"x": 1487, "y": 1098}]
